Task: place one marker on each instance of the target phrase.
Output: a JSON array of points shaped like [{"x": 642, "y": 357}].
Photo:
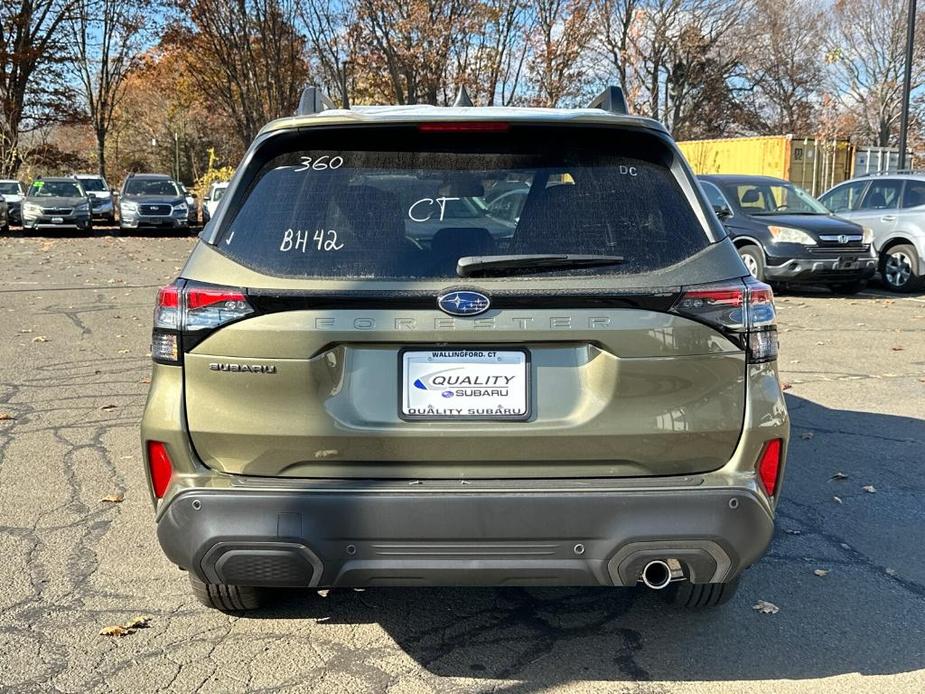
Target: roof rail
[
  {"x": 313, "y": 101},
  {"x": 611, "y": 99}
]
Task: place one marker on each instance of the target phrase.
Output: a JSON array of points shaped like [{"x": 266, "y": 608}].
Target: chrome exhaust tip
[{"x": 657, "y": 574}]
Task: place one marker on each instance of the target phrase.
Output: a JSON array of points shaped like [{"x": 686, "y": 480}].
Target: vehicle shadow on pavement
[{"x": 864, "y": 616}]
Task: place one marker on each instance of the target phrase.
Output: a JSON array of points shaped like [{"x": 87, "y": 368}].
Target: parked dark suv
[
  {"x": 583, "y": 394},
  {"x": 153, "y": 200},
  {"x": 784, "y": 235}
]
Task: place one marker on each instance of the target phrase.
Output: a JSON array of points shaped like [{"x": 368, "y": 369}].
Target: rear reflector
[
  {"x": 769, "y": 465},
  {"x": 160, "y": 466},
  {"x": 470, "y": 127}
]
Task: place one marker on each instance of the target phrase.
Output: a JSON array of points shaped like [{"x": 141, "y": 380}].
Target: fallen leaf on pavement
[
  {"x": 870, "y": 489},
  {"x": 839, "y": 476},
  {"x": 115, "y": 630},
  {"x": 837, "y": 500},
  {"x": 793, "y": 532},
  {"x": 821, "y": 572},
  {"x": 40, "y": 338},
  {"x": 785, "y": 386},
  {"x": 891, "y": 572},
  {"x": 765, "y": 607},
  {"x": 6, "y": 416},
  {"x": 108, "y": 407},
  {"x": 114, "y": 498},
  {"x": 807, "y": 435},
  {"x": 139, "y": 622},
  {"x": 897, "y": 349}
]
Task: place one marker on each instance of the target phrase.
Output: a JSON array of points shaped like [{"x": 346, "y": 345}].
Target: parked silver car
[{"x": 893, "y": 205}]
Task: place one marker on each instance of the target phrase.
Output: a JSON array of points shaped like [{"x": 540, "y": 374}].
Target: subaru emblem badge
[
  {"x": 843, "y": 239},
  {"x": 463, "y": 303}
]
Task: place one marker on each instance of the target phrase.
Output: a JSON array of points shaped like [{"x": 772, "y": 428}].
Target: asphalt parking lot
[{"x": 73, "y": 370}]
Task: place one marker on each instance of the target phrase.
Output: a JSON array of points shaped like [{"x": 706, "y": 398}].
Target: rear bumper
[
  {"x": 356, "y": 538},
  {"x": 823, "y": 270}
]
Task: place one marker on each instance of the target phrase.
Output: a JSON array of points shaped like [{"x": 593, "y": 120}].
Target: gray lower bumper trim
[
  {"x": 809, "y": 268},
  {"x": 253, "y": 537}
]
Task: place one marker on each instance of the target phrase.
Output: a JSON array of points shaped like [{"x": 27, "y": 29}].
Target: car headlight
[
  {"x": 868, "y": 237},
  {"x": 791, "y": 235},
  {"x": 181, "y": 208},
  {"x": 31, "y": 209},
  {"x": 82, "y": 207},
  {"x": 129, "y": 206}
]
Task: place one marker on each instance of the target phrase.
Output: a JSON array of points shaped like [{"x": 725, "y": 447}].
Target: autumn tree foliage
[
  {"x": 33, "y": 92},
  {"x": 246, "y": 57},
  {"x": 197, "y": 80}
]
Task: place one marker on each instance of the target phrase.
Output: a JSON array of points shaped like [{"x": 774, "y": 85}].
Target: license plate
[
  {"x": 466, "y": 383},
  {"x": 57, "y": 220},
  {"x": 848, "y": 263}
]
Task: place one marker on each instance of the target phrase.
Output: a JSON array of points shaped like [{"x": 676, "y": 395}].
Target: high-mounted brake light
[
  {"x": 160, "y": 466},
  {"x": 741, "y": 309},
  {"x": 189, "y": 309},
  {"x": 769, "y": 465},
  {"x": 465, "y": 127}
]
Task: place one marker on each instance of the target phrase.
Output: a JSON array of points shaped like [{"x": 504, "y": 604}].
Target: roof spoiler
[
  {"x": 611, "y": 99},
  {"x": 312, "y": 101}
]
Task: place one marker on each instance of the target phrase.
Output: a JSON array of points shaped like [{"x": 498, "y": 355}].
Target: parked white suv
[
  {"x": 893, "y": 205},
  {"x": 210, "y": 204}
]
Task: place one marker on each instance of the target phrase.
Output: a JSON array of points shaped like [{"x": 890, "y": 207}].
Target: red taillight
[
  {"x": 184, "y": 308},
  {"x": 207, "y": 308},
  {"x": 769, "y": 465},
  {"x": 160, "y": 466},
  {"x": 168, "y": 297},
  {"x": 470, "y": 127},
  {"x": 198, "y": 297},
  {"x": 743, "y": 310}
]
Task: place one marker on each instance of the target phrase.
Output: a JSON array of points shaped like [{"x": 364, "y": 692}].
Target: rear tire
[
  {"x": 226, "y": 598},
  {"x": 899, "y": 268},
  {"x": 696, "y": 595},
  {"x": 754, "y": 261},
  {"x": 849, "y": 287}
]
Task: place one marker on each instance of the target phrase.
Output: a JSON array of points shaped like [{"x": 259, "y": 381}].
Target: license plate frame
[{"x": 404, "y": 383}]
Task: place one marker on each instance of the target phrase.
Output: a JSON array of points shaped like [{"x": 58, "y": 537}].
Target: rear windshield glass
[{"x": 412, "y": 210}]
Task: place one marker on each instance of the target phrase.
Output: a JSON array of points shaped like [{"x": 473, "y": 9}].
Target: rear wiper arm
[{"x": 474, "y": 264}]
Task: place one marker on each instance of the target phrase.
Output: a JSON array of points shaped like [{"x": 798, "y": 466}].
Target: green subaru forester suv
[{"x": 464, "y": 346}]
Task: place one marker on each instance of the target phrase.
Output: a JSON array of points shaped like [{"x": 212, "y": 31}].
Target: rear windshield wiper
[{"x": 474, "y": 264}]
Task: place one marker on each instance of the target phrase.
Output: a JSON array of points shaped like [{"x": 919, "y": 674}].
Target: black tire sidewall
[{"x": 916, "y": 278}]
